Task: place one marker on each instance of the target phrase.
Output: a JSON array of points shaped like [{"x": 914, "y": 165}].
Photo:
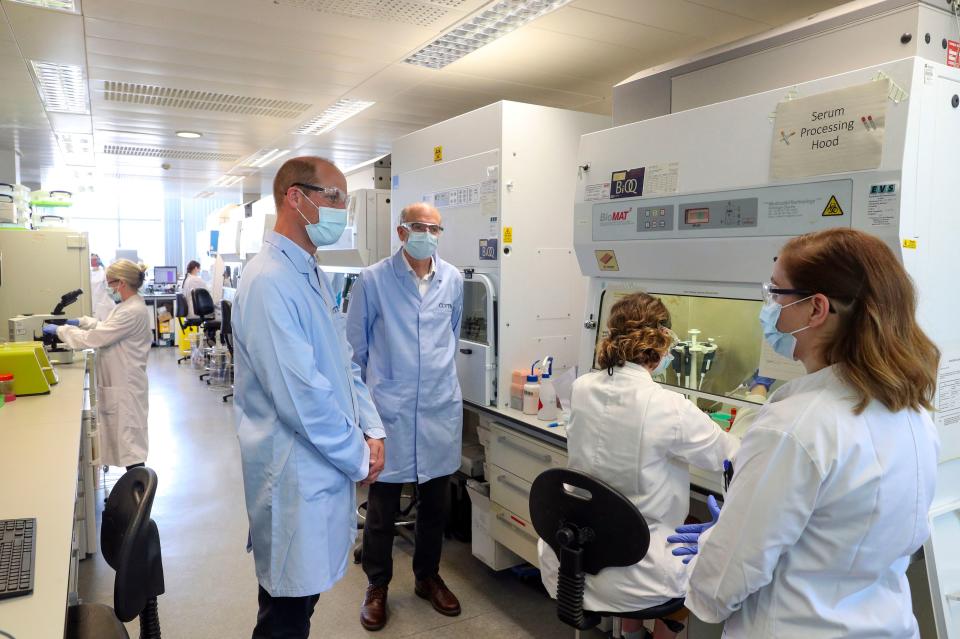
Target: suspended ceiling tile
[
  {"x": 680, "y": 16},
  {"x": 772, "y": 13}
]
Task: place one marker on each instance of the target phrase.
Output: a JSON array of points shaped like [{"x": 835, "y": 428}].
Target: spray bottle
[
  {"x": 531, "y": 391},
  {"x": 547, "y": 406}
]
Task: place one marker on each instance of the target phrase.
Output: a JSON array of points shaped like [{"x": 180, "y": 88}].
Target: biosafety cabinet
[
  {"x": 503, "y": 179},
  {"x": 365, "y": 241},
  {"x": 694, "y": 206}
]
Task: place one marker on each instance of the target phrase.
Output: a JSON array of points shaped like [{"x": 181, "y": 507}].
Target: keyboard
[{"x": 17, "y": 556}]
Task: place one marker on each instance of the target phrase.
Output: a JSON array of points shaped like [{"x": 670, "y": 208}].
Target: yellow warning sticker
[
  {"x": 833, "y": 208},
  {"x": 438, "y": 154},
  {"x": 607, "y": 260},
  {"x": 910, "y": 244},
  {"x": 507, "y": 234}
]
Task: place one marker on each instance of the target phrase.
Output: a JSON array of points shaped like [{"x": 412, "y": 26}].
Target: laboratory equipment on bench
[
  {"x": 693, "y": 359},
  {"x": 547, "y": 402},
  {"x": 501, "y": 177},
  {"x": 688, "y": 198},
  {"x": 33, "y": 374},
  {"x": 531, "y": 391},
  {"x": 36, "y": 267},
  {"x": 29, "y": 328}
]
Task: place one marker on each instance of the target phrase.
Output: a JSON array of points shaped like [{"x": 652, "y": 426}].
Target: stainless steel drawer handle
[
  {"x": 520, "y": 449},
  {"x": 503, "y": 479},
  {"x": 514, "y": 526}
]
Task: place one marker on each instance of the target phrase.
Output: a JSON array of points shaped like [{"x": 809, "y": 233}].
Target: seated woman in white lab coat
[
  {"x": 627, "y": 430},
  {"x": 191, "y": 282},
  {"x": 833, "y": 482}
]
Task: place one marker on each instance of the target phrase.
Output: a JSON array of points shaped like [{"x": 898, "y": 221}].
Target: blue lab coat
[
  {"x": 301, "y": 406},
  {"x": 406, "y": 347}
]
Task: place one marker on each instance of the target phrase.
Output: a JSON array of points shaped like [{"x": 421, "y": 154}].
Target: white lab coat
[
  {"x": 191, "y": 283},
  {"x": 640, "y": 438},
  {"x": 100, "y": 299},
  {"x": 123, "y": 343},
  {"x": 824, "y": 510}
]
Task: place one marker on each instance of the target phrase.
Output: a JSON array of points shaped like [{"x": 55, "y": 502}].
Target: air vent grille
[
  {"x": 167, "y": 154},
  {"x": 422, "y": 13},
  {"x": 152, "y": 95}
]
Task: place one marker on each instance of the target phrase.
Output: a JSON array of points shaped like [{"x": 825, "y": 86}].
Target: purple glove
[
  {"x": 73, "y": 322},
  {"x": 50, "y": 329},
  {"x": 690, "y": 533},
  {"x": 758, "y": 380}
]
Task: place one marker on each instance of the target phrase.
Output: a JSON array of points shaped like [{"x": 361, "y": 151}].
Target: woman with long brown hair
[
  {"x": 627, "y": 430},
  {"x": 833, "y": 483}
]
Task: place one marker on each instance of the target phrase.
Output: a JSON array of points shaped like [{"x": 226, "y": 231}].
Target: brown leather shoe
[
  {"x": 443, "y": 601},
  {"x": 373, "y": 610}
]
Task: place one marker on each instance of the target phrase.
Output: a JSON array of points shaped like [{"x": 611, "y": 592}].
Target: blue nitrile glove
[
  {"x": 759, "y": 380},
  {"x": 73, "y": 322},
  {"x": 50, "y": 329},
  {"x": 690, "y": 533}
]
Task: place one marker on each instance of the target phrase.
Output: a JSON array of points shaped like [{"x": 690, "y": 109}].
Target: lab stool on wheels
[
  {"x": 591, "y": 526},
  {"x": 404, "y": 524}
]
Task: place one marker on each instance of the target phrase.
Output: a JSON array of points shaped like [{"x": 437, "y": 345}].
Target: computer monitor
[{"x": 165, "y": 275}]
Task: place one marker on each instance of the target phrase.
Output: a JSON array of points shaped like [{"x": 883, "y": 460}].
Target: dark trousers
[
  {"x": 383, "y": 504},
  {"x": 284, "y": 617}
]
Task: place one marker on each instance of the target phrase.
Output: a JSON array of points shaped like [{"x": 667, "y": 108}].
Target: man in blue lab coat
[
  {"x": 404, "y": 323},
  {"x": 307, "y": 427}
]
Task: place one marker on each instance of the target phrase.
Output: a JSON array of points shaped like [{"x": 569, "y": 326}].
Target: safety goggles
[
  {"x": 340, "y": 199},
  {"x": 771, "y": 294},
  {"x": 423, "y": 227}
]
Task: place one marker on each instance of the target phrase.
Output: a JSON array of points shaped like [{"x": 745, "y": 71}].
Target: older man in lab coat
[
  {"x": 403, "y": 324},
  {"x": 307, "y": 427}
]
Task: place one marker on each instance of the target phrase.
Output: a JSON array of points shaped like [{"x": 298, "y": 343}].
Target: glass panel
[
  {"x": 719, "y": 351},
  {"x": 474, "y": 325}
]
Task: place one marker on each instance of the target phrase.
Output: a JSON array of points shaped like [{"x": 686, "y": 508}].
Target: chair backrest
[
  {"x": 202, "y": 302},
  {"x": 226, "y": 328},
  {"x": 182, "y": 305},
  {"x": 131, "y": 543},
  {"x": 591, "y": 526}
]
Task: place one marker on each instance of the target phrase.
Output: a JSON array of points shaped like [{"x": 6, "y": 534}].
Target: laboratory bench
[{"x": 47, "y": 449}]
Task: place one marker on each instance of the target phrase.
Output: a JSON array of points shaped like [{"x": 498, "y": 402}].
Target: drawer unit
[
  {"x": 523, "y": 456},
  {"x": 510, "y": 491},
  {"x": 515, "y": 532}
]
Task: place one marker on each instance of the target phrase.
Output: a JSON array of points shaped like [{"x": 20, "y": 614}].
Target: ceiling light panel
[
  {"x": 204, "y": 194},
  {"x": 167, "y": 154},
  {"x": 60, "y": 5},
  {"x": 421, "y": 13},
  {"x": 151, "y": 95},
  {"x": 485, "y": 26},
  {"x": 341, "y": 110},
  {"x": 263, "y": 157},
  {"x": 63, "y": 87}
]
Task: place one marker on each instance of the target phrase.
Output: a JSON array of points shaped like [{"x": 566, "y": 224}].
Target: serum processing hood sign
[{"x": 832, "y": 132}]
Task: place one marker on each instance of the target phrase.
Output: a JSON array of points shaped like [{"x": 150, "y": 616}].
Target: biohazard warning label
[
  {"x": 953, "y": 53},
  {"x": 833, "y": 208}
]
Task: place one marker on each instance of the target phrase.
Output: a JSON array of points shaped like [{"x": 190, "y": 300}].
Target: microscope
[{"x": 29, "y": 328}]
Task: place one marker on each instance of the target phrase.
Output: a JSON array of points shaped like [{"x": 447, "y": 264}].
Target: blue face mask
[
  {"x": 330, "y": 226},
  {"x": 420, "y": 246},
  {"x": 783, "y": 343},
  {"x": 664, "y": 364},
  {"x": 114, "y": 295}
]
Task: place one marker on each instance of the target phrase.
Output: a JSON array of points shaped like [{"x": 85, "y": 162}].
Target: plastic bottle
[
  {"x": 531, "y": 391},
  {"x": 547, "y": 405}
]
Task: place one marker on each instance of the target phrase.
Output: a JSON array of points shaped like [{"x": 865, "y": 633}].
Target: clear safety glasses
[
  {"x": 423, "y": 227},
  {"x": 338, "y": 198},
  {"x": 772, "y": 294}
]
